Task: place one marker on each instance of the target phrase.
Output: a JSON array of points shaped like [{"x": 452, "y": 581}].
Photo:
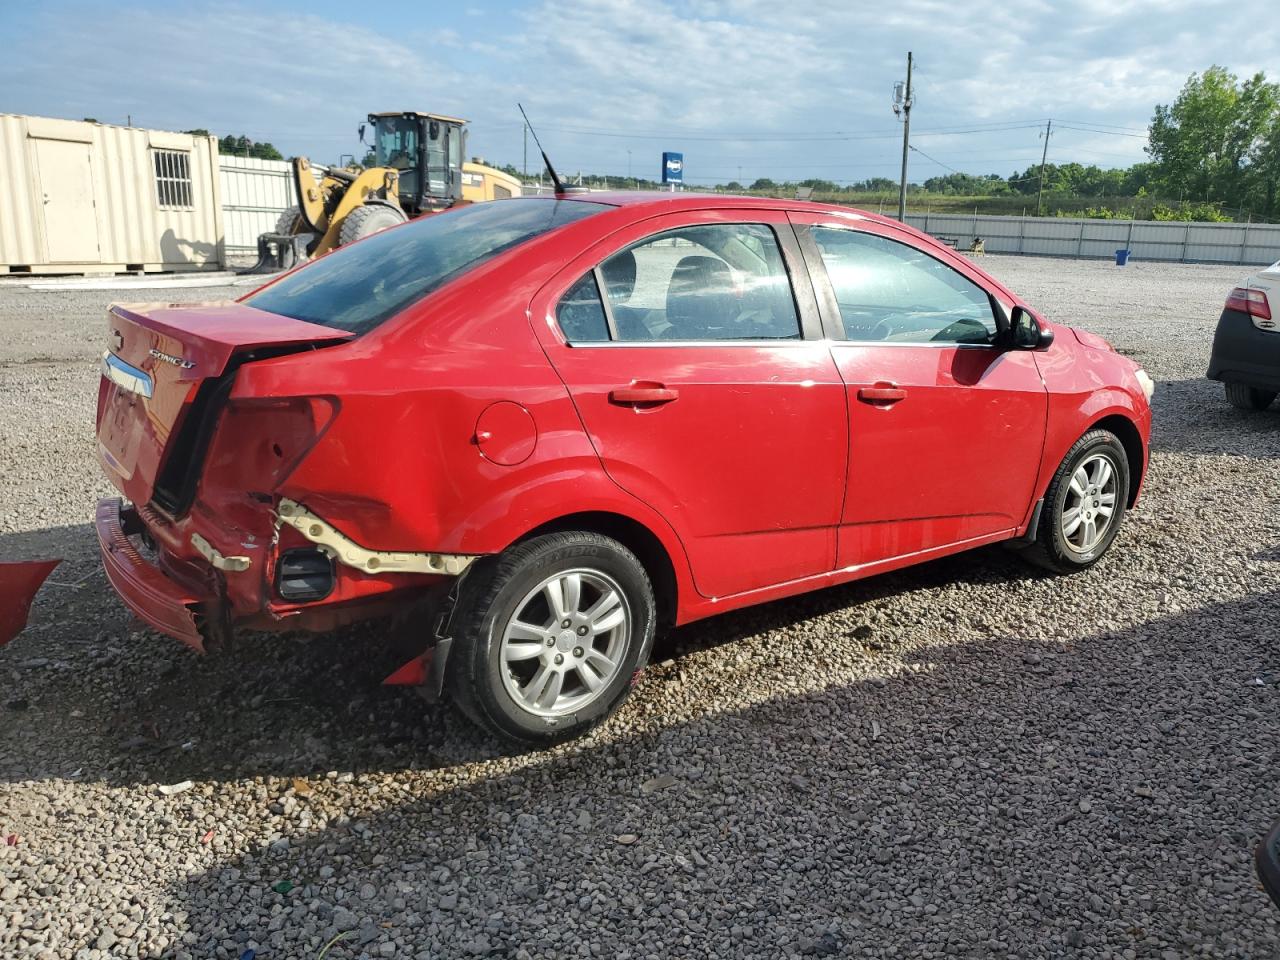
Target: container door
[{"x": 66, "y": 194}]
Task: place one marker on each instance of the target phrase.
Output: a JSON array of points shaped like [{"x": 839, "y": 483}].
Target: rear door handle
[
  {"x": 642, "y": 392},
  {"x": 883, "y": 392}
]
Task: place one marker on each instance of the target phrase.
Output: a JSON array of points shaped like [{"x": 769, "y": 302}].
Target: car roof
[
  {"x": 641, "y": 204},
  {"x": 666, "y": 202}
]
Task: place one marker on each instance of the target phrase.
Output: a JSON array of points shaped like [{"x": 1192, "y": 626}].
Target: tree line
[{"x": 1213, "y": 154}]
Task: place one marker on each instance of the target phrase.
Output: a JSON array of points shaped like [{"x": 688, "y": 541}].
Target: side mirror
[
  {"x": 1268, "y": 863},
  {"x": 1028, "y": 333}
]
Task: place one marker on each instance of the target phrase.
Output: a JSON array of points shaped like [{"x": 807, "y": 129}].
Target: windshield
[
  {"x": 397, "y": 142},
  {"x": 358, "y": 287}
]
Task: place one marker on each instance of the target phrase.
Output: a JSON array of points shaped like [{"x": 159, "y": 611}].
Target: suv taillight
[{"x": 1252, "y": 302}]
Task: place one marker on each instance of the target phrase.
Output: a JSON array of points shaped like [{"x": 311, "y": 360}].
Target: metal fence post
[
  {"x": 1244, "y": 244},
  {"x": 1186, "y": 234},
  {"x": 1022, "y": 232}
]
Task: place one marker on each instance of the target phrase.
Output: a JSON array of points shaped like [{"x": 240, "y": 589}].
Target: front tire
[
  {"x": 290, "y": 221},
  {"x": 1248, "y": 398},
  {"x": 549, "y": 637},
  {"x": 367, "y": 220},
  {"x": 1084, "y": 505}
]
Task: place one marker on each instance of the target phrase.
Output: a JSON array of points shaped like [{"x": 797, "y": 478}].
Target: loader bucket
[
  {"x": 280, "y": 251},
  {"x": 18, "y": 585}
]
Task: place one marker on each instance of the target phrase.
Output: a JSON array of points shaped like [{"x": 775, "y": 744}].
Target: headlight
[{"x": 1148, "y": 385}]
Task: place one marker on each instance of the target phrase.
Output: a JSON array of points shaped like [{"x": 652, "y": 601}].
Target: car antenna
[{"x": 560, "y": 188}]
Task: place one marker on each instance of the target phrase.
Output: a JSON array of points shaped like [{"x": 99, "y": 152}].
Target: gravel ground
[{"x": 964, "y": 759}]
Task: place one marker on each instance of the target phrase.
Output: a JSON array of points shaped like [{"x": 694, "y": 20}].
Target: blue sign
[{"x": 673, "y": 168}]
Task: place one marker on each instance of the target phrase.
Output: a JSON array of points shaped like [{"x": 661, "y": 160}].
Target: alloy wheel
[
  {"x": 566, "y": 642},
  {"x": 1089, "y": 508}
]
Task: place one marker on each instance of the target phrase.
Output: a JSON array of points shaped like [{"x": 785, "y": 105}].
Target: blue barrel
[{"x": 1122, "y": 257}]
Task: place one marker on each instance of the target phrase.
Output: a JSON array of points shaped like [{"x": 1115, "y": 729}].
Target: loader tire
[
  {"x": 368, "y": 219},
  {"x": 290, "y": 221}
]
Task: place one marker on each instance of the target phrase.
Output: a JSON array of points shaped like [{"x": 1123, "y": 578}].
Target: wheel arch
[
  {"x": 636, "y": 537},
  {"x": 1126, "y": 431}
]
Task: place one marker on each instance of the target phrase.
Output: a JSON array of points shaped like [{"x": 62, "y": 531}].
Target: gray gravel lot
[{"x": 965, "y": 759}]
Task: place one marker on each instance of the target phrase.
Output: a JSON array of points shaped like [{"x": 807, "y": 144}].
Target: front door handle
[
  {"x": 883, "y": 392},
  {"x": 642, "y": 393}
]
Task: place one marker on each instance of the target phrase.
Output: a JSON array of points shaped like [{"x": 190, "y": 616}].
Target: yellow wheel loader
[{"x": 418, "y": 170}]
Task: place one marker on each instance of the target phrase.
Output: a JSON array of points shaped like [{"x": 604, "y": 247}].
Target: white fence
[
  {"x": 254, "y": 194},
  {"x": 1242, "y": 243}
]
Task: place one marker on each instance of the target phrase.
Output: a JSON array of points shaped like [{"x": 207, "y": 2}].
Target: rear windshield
[{"x": 358, "y": 287}]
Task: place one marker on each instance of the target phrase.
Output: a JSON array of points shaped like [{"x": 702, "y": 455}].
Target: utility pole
[
  {"x": 1040, "y": 193},
  {"x": 902, "y": 104}
]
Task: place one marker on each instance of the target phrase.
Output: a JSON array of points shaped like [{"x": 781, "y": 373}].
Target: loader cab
[{"x": 427, "y": 149}]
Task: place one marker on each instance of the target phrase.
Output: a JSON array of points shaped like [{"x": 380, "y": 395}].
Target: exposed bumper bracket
[
  {"x": 347, "y": 551},
  {"x": 216, "y": 559}
]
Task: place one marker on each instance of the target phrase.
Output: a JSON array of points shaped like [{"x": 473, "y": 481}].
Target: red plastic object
[
  {"x": 412, "y": 674},
  {"x": 19, "y": 582}
]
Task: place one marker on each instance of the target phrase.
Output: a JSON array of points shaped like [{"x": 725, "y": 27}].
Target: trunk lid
[{"x": 166, "y": 377}]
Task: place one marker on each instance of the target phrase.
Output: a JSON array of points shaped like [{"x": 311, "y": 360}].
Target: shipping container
[{"x": 80, "y": 197}]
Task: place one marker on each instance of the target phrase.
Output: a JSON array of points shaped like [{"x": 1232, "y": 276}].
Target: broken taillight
[
  {"x": 260, "y": 441},
  {"x": 1251, "y": 301}
]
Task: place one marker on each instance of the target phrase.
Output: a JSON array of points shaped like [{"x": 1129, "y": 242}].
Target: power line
[
  {"x": 1099, "y": 123},
  {"x": 939, "y": 162},
  {"x": 832, "y": 137},
  {"x": 1109, "y": 133}
]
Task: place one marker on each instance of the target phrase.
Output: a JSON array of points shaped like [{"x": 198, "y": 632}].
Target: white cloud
[{"x": 678, "y": 73}]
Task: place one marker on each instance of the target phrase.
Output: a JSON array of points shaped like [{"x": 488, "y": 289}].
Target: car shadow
[
  {"x": 131, "y": 706},
  {"x": 1193, "y": 416},
  {"x": 861, "y": 819}
]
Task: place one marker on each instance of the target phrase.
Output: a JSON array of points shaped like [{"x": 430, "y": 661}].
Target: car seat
[{"x": 702, "y": 302}]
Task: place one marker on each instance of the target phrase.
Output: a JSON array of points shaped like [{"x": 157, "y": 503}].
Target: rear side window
[
  {"x": 716, "y": 282},
  {"x": 358, "y": 287},
  {"x": 581, "y": 314},
  {"x": 892, "y": 291}
]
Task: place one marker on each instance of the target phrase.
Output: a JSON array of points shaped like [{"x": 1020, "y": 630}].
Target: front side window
[
  {"x": 358, "y": 287},
  {"x": 714, "y": 282},
  {"x": 891, "y": 291}
]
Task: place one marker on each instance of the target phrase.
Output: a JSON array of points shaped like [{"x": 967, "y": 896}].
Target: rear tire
[
  {"x": 1084, "y": 505},
  {"x": 549, "y": 637},
  {"x": 1248, "y": 398},
  {"x": 367, "y": 220}
]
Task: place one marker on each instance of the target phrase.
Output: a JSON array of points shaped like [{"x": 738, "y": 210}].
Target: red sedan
[{"x": 545, "y": 428}]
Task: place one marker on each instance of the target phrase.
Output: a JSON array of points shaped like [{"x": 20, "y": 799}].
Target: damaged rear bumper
[
  {"x": 198, "y": 595},
  {"x": 153, "y": 596}
]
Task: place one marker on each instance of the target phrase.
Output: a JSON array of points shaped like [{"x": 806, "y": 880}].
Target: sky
[{"x": 744, "y": 88}]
